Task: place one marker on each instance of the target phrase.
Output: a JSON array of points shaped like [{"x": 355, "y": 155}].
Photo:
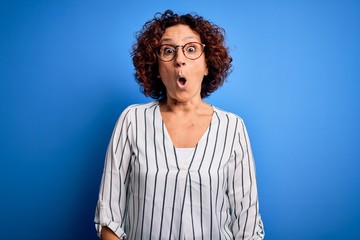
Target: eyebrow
[{"x": 170, "y": 40}]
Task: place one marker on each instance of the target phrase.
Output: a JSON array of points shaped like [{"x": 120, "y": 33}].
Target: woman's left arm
[{"x": 242, "y": 190}]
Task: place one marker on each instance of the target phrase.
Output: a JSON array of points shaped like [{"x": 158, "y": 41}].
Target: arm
[
  {"x": 243, "y": 192},
  {"x": 108, "y": 234},
  {"x": 110, "y": 210}
]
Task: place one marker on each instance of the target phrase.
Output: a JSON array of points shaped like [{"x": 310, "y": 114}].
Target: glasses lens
[
  {"x": 193, "y": 50},
  {"x": 166, "y": 52}
]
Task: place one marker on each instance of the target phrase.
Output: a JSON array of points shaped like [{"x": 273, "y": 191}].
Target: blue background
[{"x": 66, "y": 74}]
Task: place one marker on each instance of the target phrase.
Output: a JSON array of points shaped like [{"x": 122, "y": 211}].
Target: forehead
[{"x": 179, "y": 33}]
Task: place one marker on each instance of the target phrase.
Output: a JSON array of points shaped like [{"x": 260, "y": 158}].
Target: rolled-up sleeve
[
  {"x": 110, "y": 209},
  {"x": 242, "y": 190}
]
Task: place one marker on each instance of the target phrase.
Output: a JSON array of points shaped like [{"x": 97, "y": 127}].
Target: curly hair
[{"x": 148, "y": 39}]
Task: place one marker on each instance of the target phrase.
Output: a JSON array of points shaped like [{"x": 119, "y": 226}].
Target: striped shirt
[{"x": 147, "y": 192}]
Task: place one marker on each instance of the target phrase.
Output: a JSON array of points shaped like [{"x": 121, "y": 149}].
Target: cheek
[
  {"x": 162, "y": 69},
  {"x": 201, "y": 70},
  {"x": 202, "y": 67}
]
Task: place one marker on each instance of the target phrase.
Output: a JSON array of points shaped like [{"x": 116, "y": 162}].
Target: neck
[{"x": 175, "y": 106}]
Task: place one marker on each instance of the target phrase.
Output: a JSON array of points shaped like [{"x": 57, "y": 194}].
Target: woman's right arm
[
  {"x": 108, "y": 234},
  {"x": 110, "y": 210}
]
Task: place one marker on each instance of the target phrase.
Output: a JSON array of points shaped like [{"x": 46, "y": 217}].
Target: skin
[
  {"x": 185, "y": 114},
  {"x": 108, "y": 234}
]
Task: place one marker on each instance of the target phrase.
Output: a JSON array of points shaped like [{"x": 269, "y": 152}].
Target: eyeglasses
[{"x": 191, "y": 50}]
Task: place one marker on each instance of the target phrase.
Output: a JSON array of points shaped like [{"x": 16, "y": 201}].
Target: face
[{"x": 181, "y": 76}]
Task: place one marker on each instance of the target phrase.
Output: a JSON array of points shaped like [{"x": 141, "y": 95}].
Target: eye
[
  {"x": 191, "y": 49},
  {"x": 167, "y": 50}
]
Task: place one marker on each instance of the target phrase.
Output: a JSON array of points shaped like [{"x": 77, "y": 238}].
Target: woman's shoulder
[
  {"x": 139, "y": 107},
  {"x": 232, "y": 120},
  {"x": 128, "y": 114},
  {"x": 221, "y": 113},
  {"x": 130, "y": 111}
]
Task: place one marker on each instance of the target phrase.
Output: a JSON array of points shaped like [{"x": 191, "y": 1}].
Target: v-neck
[{"x": 201, "y": 139}]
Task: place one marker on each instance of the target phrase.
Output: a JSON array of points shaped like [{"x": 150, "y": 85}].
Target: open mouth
[{"x": 182, "y": 81}]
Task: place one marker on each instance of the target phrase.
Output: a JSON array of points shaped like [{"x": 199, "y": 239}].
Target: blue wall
[{"x": 66, "y": 74}]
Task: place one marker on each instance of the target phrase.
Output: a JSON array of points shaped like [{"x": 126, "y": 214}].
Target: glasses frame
[{"x": 176, "y": 50}]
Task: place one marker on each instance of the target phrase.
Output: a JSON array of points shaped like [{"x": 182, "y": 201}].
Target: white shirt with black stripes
[{"x": 147, "y": 192}]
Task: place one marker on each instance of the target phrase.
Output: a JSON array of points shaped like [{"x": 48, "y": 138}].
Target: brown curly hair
[{"x": 145, "y": 59}]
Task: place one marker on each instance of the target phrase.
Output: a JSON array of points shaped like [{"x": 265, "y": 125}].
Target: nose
[{"x": 180, "y": 58}]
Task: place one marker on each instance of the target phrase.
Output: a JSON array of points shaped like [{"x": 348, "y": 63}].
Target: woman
[{"x": 179, "y": 168}]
